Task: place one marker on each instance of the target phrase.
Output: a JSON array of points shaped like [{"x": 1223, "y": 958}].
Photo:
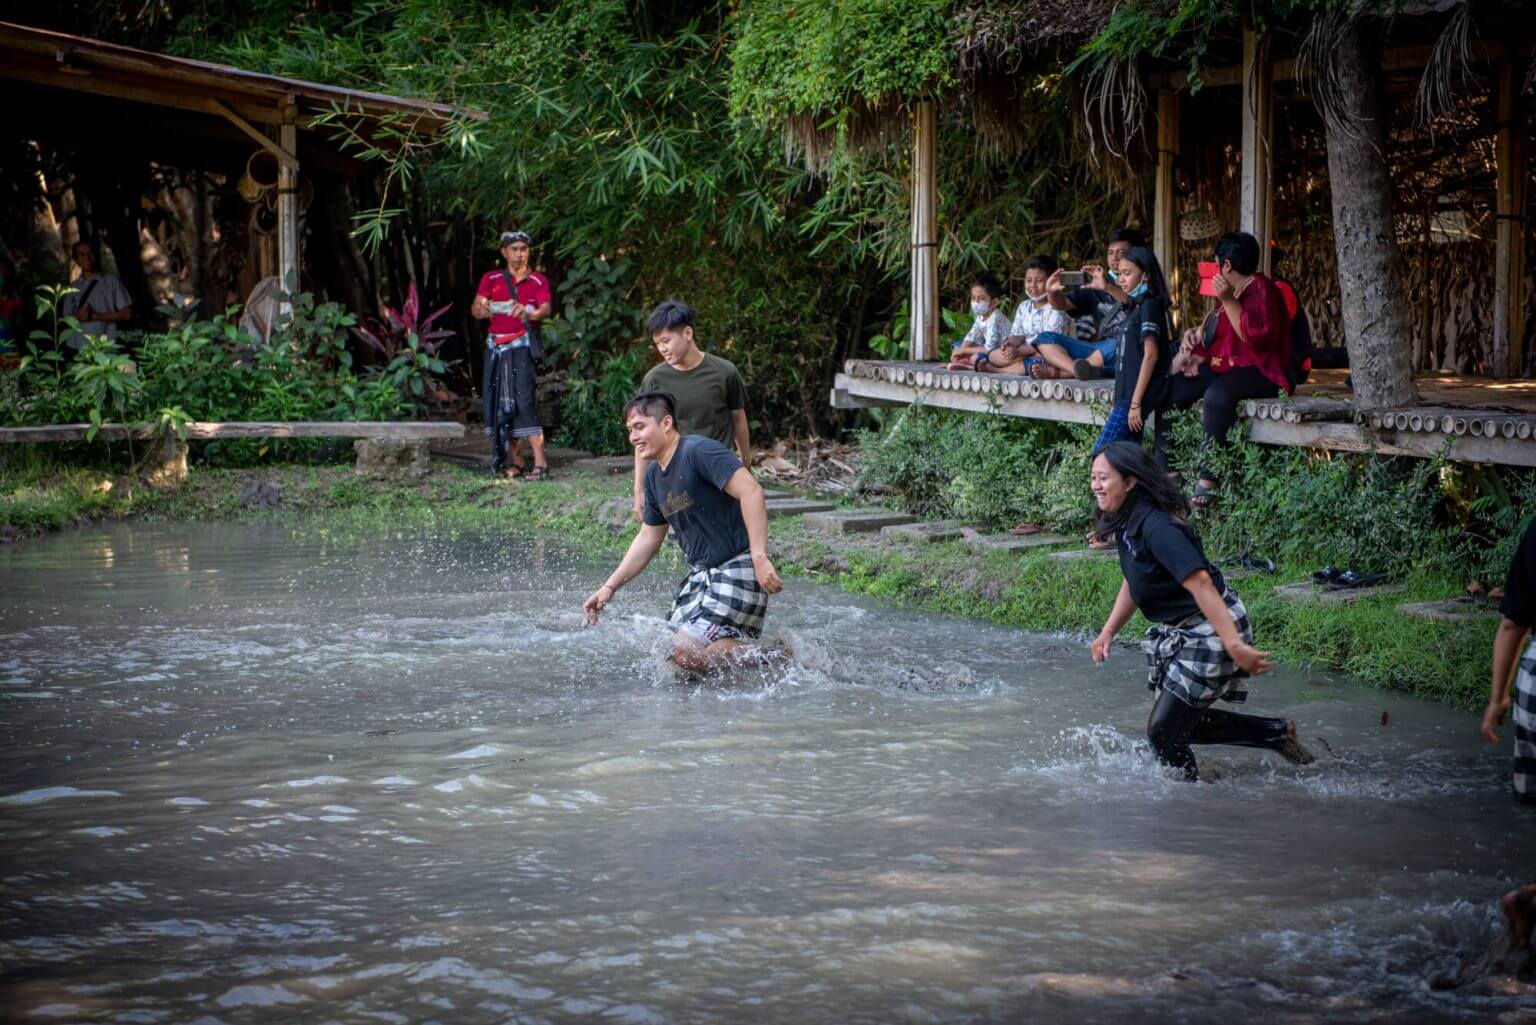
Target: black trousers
[
  {"x": 1221, "y": 394},
  {"x": 1174, "y": 725}
]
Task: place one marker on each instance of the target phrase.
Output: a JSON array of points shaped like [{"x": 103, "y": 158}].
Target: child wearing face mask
[
  {"x": 1035, "y": 316},
  {"x": 1145, "y": 351},
  {"x": 989, "y": 329}
]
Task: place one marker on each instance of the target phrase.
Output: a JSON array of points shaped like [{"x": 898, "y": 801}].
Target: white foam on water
[
  {"x": 258, "y": 996},
  {"x": 188, "y": 802},
  {"x": 101, "y": 831},
  {"x": 54, "y": 794},
  {"x": 482, "y": 751},
  {"x": 394, "y": 781},
  {"x": 317, "y": 781},
  {"x": 257, "y": 802}
]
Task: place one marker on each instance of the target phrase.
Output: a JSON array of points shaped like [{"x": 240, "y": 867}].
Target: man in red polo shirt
[
  {"x": 515, "y": 300},
  {"x": 1246, "y": 355}
]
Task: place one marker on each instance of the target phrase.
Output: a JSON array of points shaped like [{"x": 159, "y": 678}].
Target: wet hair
[
  {"x": 1045, "y": 264},
  {"x": 1153, "y": 483},
  {"x": 671, "y": 315},
  {"x": 1141, "y": 256},
  {"x": 988, "y": 281},
  {"x": 654, "y": 404},
  {"x": 1131, "y": 235},
  {"x": 1240, "y": 249}
]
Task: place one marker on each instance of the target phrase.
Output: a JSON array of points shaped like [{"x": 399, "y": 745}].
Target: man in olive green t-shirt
[{"x": 709, "y": 395}]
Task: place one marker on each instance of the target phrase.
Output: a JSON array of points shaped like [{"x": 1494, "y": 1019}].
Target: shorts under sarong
[
  {"x": 1522, "y": 709},
  {"x": 1188, "y": 660},
  {"x": 720, "y": 602}
]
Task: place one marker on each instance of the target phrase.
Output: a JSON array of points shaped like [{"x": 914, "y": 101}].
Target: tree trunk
[{"x": 1374, "y": 307}]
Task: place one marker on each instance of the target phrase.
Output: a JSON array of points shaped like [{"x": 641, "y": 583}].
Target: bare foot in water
[
  {"x": 1291, "y": 750},
  {"x": 1519, "y": 907}
]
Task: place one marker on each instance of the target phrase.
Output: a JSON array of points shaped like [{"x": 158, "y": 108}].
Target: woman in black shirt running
[{"x": 1200, "y": 647}]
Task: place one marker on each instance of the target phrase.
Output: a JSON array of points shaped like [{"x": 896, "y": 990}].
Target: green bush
[
  {"x": 1297, "y": 506},
  {"x": 206, "y": 370}
]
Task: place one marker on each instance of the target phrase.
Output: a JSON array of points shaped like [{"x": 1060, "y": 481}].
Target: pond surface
[{"x": 252, "y": 775}]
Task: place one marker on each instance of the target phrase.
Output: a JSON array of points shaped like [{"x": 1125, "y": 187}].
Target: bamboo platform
[{"x": 1463, "y": 419}]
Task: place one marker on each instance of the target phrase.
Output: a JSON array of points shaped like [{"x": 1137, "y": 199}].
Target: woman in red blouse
[{"x": 1247, "y": 355}]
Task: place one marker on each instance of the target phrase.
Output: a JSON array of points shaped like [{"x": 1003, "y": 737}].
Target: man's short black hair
[
  {"x": 1240, "y": 249},
  {"x": 988, "y": 281},
  {"x": 1043, "y": 263},
  {"x": 654, "y": 404},
  {"x": 1131, "y": 235},
  {"x": 671, "y": 315}
]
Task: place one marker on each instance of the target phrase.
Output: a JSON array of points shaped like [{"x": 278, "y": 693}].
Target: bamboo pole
[
  {"x": 1510, "y": 151},
  {"x": 1258, "y": 105},
  {"x": 925, "y": 278}
]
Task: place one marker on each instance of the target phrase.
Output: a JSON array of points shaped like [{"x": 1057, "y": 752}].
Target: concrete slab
[
  {"x": 605, "y": 465},
  {"x": 856, "y": 521},
  {"x": 1456, "y": 610},
  {"x": 1308, "y": 591},
  {"x": 934, "y": 530},
  {"x": 771, "y": 493},
  {"x": 1072, "y": 554},
  {"x": 1014, "y": 543},
  {"x": 796, "y": 506}
]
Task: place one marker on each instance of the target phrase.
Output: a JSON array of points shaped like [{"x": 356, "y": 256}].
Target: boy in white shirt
[{"x": 1035, "y": 316}]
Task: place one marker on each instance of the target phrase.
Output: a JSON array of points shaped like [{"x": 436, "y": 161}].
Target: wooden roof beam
[{"x": 284, "y": 157}]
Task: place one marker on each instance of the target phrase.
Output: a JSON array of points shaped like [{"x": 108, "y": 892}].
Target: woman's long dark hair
[
  {"x": 1157, "y": 284},
  {"x": 1153, "y": 483}
]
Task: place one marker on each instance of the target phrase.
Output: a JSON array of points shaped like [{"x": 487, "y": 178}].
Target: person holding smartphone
[{"x": 1100, "y": 308}]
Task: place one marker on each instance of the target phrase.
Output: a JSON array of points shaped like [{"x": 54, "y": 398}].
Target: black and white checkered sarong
[
  {"x": 1188, "y": 660},
  {"x": 1522, "y": 709},
  {"x": 727, "y": 595}
]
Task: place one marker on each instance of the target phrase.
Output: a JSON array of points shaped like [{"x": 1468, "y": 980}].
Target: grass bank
[{"x": 1369, "y": 639}]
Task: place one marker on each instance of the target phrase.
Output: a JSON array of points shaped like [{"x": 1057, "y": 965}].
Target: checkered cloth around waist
[
  {"x": 728, "y": 594},
  {"x": 1522, "y": 711},
  {"x": 1189, "y": 661}
]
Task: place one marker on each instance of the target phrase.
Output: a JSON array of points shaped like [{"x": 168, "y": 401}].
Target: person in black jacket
[
  {"x": 1145, "y": 351},
  {"x": 1200, "y": 646}
]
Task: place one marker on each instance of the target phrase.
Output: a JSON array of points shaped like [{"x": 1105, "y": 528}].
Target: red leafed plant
[{"x": 409, "y": 346}]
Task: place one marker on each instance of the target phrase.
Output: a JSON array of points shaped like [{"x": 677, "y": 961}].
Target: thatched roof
[{"x": 1014, "y": 37}]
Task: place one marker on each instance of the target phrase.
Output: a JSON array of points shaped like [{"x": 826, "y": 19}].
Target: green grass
[{"x": 1368, "y": 639}]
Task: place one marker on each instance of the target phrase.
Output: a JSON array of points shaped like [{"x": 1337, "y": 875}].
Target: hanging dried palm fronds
[
  {"x": 1448, "y": 75},
  {"x": 1114, "y": 107}
]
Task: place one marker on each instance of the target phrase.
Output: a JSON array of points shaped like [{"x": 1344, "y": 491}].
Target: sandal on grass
[
  {"x": 539, "y": 473},
  {"x": 1026, "y": 529},
  {"x": 1349, "y": 580},
  {"x": 1204, "y": 497}
]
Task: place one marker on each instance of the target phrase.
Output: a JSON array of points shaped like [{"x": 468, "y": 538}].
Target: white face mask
[
  {"x": 1035, "y": 298},
  {"x": 980, "y": 307}
]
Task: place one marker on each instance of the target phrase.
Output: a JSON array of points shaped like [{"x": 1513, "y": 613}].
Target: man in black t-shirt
[
  {"x": 1099, "y": 310},
  {"x": 697, "y": 487}
]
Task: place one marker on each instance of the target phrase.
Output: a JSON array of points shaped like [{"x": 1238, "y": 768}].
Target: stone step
[
  {"x": 1308, "y": 591},
  {"x": 796, "y": 506},
  {"x": 1085, "y": 553},
  {"x": 771, "y": 493},
  {"x": 1014, "y": 543},
  {"x": 1455, "y": 610},
  {"x": 935, "y": 530},
  {"x": 856, "y": 521},
  {"x": 605, "y": 465}
]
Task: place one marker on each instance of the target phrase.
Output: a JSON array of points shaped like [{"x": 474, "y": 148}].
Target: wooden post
[
  {"x": 1258, "y": 108},
  {"x": 288, "y": 209},
  {"x": 925, "y": 276},
  {"x": 1165, "y": 236},
  {"x": 1511, "y": 153}
]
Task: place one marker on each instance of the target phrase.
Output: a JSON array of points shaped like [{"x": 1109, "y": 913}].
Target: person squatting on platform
[{"x": 702, "y": 491}]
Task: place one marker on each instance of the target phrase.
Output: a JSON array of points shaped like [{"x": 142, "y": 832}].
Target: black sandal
[{"x": 539, "y": 473}]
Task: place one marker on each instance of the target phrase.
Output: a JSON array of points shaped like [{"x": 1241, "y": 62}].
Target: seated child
[
  {"x": 989, "y": 330},
  {"x": 1034, "y": 317}
]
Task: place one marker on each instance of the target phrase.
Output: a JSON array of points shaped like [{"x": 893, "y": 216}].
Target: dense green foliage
[
  {"x": 1374, "y": 514},
  {"x": 821, "y": 56},
  {"x": 212, "y": 370}
]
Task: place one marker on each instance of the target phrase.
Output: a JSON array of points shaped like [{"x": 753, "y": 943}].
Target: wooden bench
[{"x": 384, "y": 448}]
